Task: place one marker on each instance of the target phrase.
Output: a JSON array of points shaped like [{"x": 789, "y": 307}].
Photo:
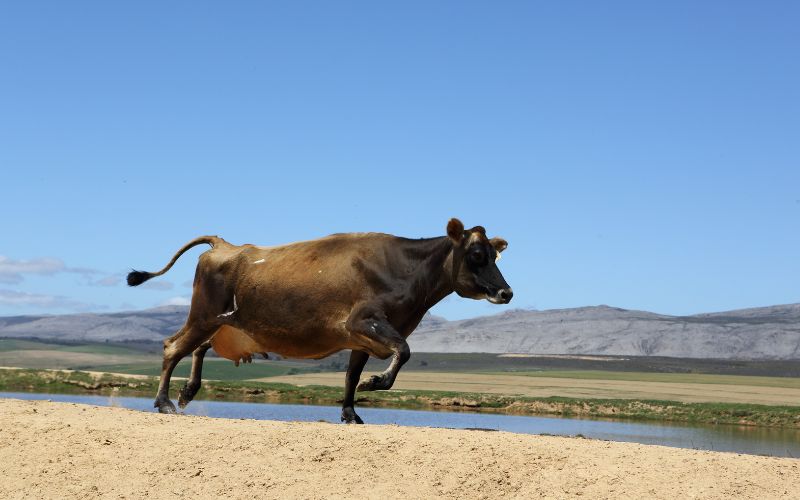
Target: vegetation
[
  {"x": 71, "y": 382},
  {"x": 142, "y": 361},
  {"x": 213, "y": 369},
  {"x": 134, "y": 360},
  {"x": 145, "y": 358},
  {"x": 686, "y": 378}
]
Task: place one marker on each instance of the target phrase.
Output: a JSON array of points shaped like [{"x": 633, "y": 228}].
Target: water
[{"x": 731, "y": 438}]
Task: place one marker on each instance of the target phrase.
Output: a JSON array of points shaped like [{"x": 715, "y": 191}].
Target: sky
[{"x": 644, "y": 155}]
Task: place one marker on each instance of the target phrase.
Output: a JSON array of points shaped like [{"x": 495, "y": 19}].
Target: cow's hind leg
[
  {"x": 187, "y": 339},
  {"x": 189, "y": 390},
  {"x": 357, "y": 361}
]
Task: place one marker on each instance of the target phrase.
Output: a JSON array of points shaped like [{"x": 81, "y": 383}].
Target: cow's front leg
[
  {"x": 380, "y": 334},
  {"x": 357, "y": 361},
  {"x": 385, "y": 380}
]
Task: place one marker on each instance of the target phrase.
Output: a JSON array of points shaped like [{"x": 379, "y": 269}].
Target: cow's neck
[{"x": 431, "y": 276}]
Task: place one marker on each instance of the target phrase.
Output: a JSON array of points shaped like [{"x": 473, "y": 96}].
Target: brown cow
[{"x": 364, "y": 292}]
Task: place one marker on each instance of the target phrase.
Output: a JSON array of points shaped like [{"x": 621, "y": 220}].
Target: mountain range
[{"x": 760, "y": 333}]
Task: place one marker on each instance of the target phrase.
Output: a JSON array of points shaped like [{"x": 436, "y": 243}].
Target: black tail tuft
[{"x": 138, "y": 277}]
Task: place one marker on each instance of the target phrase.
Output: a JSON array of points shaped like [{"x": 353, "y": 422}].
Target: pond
[{"x": 730, "y": 438}]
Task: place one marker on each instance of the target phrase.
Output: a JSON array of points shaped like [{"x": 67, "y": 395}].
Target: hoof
[
  {"x": 349, "y": 416},
  {"x": 186, "y": 395},
  {"x": 165, "y": 406},
  {"x": 375, "y": 383}
]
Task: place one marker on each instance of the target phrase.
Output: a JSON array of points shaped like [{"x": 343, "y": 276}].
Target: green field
[
  {"x": 144, "y": 358},
  {"x": 214, "y": 369},
  {"x": 121, "y": 358},
  {"x": 21, "y": 347},
  {"x": 27, "y": 345}
]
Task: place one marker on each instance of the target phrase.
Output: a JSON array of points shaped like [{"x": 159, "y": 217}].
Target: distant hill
[
  {"x": 760, "y": 333},
  {"x": 148, "y": 325}
]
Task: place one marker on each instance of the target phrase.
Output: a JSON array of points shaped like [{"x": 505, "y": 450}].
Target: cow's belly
[{"x": 236, "y": 345}]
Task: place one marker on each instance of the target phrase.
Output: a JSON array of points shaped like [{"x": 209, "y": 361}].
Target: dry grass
[
  {"x": 592, "y": 388},
  {"x": 60, "y": 359}
]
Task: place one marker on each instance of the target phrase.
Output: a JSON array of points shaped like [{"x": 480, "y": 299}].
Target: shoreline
[{"x": 105, "y": 384}]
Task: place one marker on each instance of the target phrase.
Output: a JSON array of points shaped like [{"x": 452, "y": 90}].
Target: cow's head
[{"x": 474, "y": 269}]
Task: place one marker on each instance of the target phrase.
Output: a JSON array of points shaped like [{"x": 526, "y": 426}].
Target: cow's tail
[{"x": 138, "y": 277}]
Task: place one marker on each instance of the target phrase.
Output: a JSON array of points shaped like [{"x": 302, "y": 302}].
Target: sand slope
[{"x": 57, "y": 450}]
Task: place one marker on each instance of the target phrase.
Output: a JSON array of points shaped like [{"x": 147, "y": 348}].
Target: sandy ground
[
  {"x": 60, "y": 450},
  {"x": 569, "y": 387}
]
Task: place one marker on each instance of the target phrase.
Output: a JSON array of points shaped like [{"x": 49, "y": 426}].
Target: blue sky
[{"x": 637, "y": 154}]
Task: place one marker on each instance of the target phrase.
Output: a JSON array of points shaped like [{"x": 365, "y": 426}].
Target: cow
[{"x": 365, "y": 292}]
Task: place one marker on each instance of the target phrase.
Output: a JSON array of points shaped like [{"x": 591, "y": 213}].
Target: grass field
[
  {"x": 594, "y": 385},
  {"x": 684, "y": 378},
  {"x": 33, "y": 354},
  {"x": 214, "y": 369},
  {"x": 116, "y": 358},
  {"x": 22, "y": 345},
  {"x": 148, "y": 354},
  {"x": 476, "y": 382},
  {"x": 64, "y": 359}
]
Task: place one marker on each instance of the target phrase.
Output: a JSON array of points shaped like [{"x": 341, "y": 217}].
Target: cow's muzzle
[{"x": 503, "y": 296}]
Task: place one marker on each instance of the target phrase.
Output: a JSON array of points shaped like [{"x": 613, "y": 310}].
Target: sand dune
[{"x": 58, "y": 450}]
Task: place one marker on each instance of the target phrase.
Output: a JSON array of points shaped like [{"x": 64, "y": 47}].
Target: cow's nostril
[{"x": 506, "y": 294}]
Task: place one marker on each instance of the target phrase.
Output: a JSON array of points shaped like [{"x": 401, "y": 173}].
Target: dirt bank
[{"x": 57, "y": 450}]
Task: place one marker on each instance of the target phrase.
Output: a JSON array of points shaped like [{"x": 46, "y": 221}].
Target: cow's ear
[
  {"x": 455, "y": 230},
  {"x": 499, "y": 244}
]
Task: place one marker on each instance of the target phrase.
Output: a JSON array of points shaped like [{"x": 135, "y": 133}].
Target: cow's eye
[{"x": 476, "y": 256}]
